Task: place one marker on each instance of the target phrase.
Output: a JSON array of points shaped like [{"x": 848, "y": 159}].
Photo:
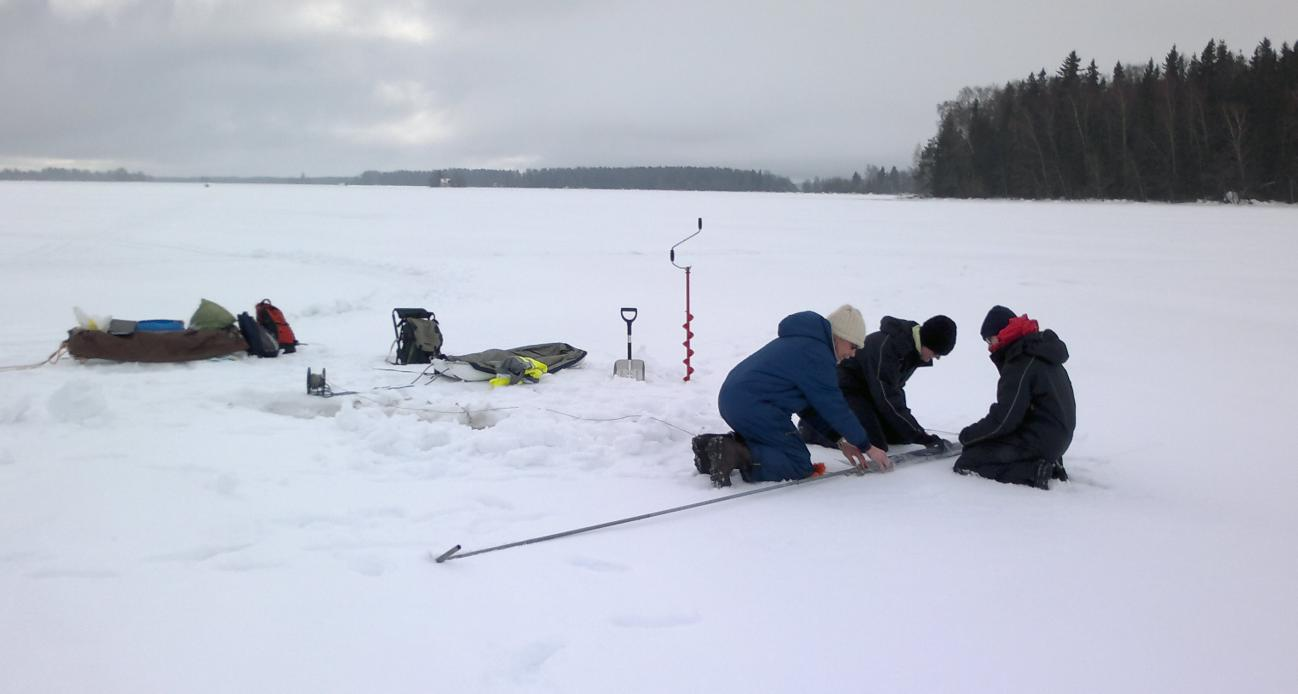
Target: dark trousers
[
  {"x": 816, "y": 431},
  {"x": 1001, "y": 461}
]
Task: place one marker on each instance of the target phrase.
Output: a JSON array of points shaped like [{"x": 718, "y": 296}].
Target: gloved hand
[{"x": 936, "y": 443}]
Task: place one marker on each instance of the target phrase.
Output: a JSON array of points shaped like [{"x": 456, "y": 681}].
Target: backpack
[
  {"x": 272, "y": 319},
  {"x": 260, "y": 342},
  {"x": 418, "y": 336}
]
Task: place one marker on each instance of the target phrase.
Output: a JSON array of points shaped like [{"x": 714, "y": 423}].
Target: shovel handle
[{"x": 629, "y": 321}]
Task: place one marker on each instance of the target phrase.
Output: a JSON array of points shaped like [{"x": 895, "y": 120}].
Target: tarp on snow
[{"x": 482, "y": 366}]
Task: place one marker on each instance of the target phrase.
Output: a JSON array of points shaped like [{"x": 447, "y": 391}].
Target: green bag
[{"x": 210, "y": 316}]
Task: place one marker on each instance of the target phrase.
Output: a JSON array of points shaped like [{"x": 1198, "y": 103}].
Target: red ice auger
[{"x": 688, "y": 316}]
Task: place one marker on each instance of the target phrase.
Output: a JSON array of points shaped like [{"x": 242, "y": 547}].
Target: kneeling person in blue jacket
[{"x": 794, "y": 371}]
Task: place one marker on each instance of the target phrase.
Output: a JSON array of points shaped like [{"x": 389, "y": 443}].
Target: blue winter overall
[{"x": 791, "y": 373}]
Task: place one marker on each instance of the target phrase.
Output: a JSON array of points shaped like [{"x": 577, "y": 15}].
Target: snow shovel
[{"x": 629, "y": 368}]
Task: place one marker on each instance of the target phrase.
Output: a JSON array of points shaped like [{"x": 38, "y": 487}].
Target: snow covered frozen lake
[{"x": 210, "y": 527}]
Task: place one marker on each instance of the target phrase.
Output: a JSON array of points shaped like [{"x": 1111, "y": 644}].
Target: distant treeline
[
  {"x": 53, "y": 174},
  {"x": 300, "y": 180},
  {"x": 635, "y": 177},
  {"x": 1214, "y": 126},
  {"x": 876, "y": 180}
]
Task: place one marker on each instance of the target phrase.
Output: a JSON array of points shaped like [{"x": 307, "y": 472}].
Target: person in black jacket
[
  {"x": 874, "y": 382},
  {"x": 1024, "y": 436}
]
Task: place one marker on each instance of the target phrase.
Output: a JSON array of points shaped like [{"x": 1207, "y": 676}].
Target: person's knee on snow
[
  {"x": 793, "y": 373},
  {"x": 785, "y": 458}
]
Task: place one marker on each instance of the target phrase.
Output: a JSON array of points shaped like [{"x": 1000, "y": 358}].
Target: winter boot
[
  {"x": 745, "y": 465},
  {"x": 700, "y": 446},
  {"x": 1058, "y": 472},
  {"x": 1045, "y": 471},
  {"x": 727, "y": 454}
]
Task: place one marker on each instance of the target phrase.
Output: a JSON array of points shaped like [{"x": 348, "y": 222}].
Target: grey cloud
[{"x": 811, "y": 88}]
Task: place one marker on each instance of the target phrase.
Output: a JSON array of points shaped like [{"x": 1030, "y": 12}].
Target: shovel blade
[{"x": 629, "y": 368}]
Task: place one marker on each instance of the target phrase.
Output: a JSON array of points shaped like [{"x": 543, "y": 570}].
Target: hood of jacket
[
  {"x": 1044, "y": 345},
  {"x": 897, "y": 326},
  {"x": 807, "y": 324}
]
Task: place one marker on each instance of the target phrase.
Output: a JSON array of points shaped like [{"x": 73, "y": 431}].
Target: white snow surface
[{"x": 210, "y": 527}]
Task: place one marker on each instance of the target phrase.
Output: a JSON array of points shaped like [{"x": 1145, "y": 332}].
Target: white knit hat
[{"x": 846, "y": 322}]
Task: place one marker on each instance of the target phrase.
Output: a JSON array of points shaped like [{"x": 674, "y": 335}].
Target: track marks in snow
[
  {"x": 336, "y": 264},
  {"x": 494, "y": 502},
  {"x": 79, "y": 401},
  {"x": 368, "y": 565},
  {"x": 666, "y": 620},
  {"x": 527, "y": 661},
  {"x": 364, "y": 516},
  {"x": 336, "y": 308},
  {"x": 226, "y": 485},
  {"x": 597, "y": 565},
  {"x": 248, "y": 566},
  {"x": 74, "y": 573},
  {"x": 298, "y": 407},
  {"x": 22, "y": 557},
  {"x": 16, "y": 409},
  {"x": 201, "y": 553}
]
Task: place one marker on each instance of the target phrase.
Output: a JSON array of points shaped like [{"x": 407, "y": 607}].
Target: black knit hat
[
  {"x": 938, "y": 334},
  {"x": 997, "y": 318}
]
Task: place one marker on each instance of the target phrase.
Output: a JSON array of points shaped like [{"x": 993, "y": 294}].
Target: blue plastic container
[{"x": 159, "y": 326}]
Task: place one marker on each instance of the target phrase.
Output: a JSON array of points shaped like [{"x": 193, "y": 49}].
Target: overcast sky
[{"x": 282, "y": 87}]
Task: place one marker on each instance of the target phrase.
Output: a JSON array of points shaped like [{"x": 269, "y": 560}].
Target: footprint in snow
[
  {"x": 225, "y": 485},
  {"x": 200, "y": 554},
  {"x": 382, "y": 512},
  {"x": 246, "y": 566},
  {"x": 660, "y": 621},
  {"x": 591, "y": 564},
  {"x": 23, "y": 557},
  {"x": 367, "y": 565},
  {"x": 494, "y": 502},
  {"x": 528, "y": 660},
  {"x": 73, "y": 573}
]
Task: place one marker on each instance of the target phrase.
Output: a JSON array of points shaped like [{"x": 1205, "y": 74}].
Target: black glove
[{"x": 936, "y": 443}]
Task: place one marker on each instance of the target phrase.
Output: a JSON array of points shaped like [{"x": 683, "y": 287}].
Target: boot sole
[
  {"x": 700, "y": 455},
  {"x": 720, "y": 472}
]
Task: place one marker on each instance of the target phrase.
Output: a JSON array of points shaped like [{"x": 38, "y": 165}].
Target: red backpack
[{"x": 272, "y": 319}]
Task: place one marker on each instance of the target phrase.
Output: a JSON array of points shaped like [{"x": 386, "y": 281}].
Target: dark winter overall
[{"x": 1033, "y": 418}]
